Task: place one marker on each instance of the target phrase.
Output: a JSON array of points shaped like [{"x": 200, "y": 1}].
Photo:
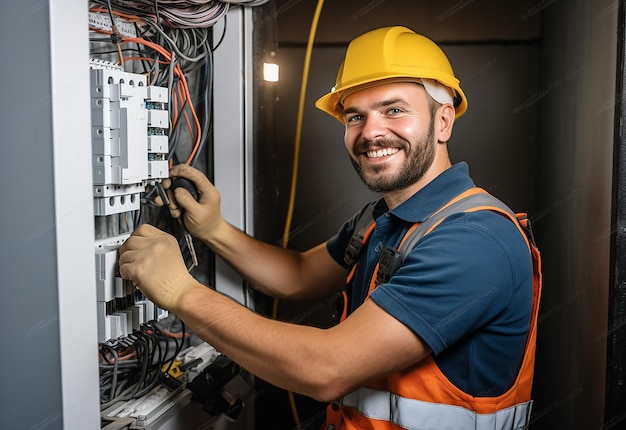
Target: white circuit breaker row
[
  {"x": 130, "y": 144},
  {"x": 121, "y": 308},
  {"x": 129, "y": 123}
]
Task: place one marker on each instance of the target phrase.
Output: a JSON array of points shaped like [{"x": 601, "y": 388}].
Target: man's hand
[
  {"x": 152, "y": 261},
  {"x": 203, "y": 217}
]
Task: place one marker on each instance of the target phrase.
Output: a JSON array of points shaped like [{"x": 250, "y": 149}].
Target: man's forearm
[
  {"x": 271, "y": 350},
  {"x": 275, "y": 271}
]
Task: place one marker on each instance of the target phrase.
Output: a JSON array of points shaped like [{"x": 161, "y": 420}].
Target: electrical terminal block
[
  {"x": 122, "y": 318},
  {"x": 150, "y": 311},
  {"x": 103, "y": 206},
  {"x": 121, "y": 307},
  {"x": 112, "y": 242},
  {"x": 115, "y": 199},
  {"x": 109, "y": 326},
  {"x": 103, "y": 22},
  {"x": 157, "y": 144},
  {"x": 97, "y": 63},
  {"x": 157, "y": 119},
  {"x": 106, "y": 262},
  {"x": 158, "y": 167},
  {"x": 158, "y": 125},
  {"x": 157, "y": 97},
  {"x": 161, "y": 314}
]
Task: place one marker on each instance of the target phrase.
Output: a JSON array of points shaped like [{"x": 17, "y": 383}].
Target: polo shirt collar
[{"x": 434, "y": 195}]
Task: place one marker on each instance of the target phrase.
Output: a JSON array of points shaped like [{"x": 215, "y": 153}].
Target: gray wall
[{"x": 540, "y": 79}]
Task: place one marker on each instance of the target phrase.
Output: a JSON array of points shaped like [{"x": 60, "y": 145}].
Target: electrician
[{"x": 448, "y": 341}]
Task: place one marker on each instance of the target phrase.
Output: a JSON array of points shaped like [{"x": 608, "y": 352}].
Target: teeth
[{"x": 382, "y": 152}]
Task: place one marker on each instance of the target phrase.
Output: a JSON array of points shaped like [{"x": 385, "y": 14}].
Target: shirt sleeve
[{"x": 469, "y": 272}]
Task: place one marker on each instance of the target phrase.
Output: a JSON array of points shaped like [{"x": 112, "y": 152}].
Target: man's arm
[
  {"x": 276, "y": 271},
  {"x": 323, "y": 364}
]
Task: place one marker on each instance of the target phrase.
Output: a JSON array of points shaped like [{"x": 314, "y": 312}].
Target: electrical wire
[
  {"x": 114, "y": 370},
  {"x": 221, "y": 39},
  {"x": 115, "y": 34},
  {"x": 131, "y": 366},
  {"x": 179, "y": 89},
  {"x": 187, "y": 50},
  {"x": 186, "y": 38},
  {"x": 177, "y": 13},
  {"x": 303, "y": 86},
  {"x": 207, "y": 84}
]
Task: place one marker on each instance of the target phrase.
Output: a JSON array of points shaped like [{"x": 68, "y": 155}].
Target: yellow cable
[{"x": 296, "y": 156}]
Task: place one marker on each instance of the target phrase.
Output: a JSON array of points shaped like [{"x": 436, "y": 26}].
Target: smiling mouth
[{"x": 381, "y": 152}]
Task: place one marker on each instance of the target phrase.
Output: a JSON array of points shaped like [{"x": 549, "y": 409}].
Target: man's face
[{"x": 390, "y": 135}]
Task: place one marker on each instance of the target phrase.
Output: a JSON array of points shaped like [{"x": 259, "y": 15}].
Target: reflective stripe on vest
[{"x": 420, "y": 415}]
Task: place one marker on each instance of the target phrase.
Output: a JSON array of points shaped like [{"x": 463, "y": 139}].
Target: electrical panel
[
  {"x": 129, "y": 124},
  {"x": 151, "y": 103}
]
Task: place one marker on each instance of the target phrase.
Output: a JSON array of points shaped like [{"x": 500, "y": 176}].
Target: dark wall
[{"x": 576, "y": 99}]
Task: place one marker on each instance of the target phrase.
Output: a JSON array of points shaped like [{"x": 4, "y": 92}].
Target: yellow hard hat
[{"x": 390, "y": 54}]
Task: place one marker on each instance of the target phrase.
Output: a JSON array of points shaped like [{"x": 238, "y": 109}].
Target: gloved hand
[
  {"x": 202, "y": 217},
  {"x": 151, "y": 260}
]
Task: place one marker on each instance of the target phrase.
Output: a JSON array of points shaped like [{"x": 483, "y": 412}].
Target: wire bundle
[
  {"x": 180, "y": 13},
  {"x": 167, "y": 58},
  {"x": 173, "y": 46},
  {"x": 132, "y": 365}
]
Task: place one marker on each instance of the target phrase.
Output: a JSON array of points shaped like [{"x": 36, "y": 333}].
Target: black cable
[
  {"x": 156, "y": 12},
  {"x": 150, "y": 376},
  {"x": 116, "y": 37},
  {"x": 219, "y": 42},
  {"x": 207, "y": 99},
  {"x": 179, "y": 347},
  {"x": 110, "y": 8},
  {"x": 115, "y": 367},
  {"x": 122, "y": 380}
]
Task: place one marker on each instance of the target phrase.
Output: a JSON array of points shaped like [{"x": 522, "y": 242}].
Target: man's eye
[
  {"x": 394, "y": 111},
  {"x": 354, "y": 118}
]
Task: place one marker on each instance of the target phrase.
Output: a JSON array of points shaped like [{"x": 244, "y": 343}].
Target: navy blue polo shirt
[{"x": 465, "y": 289}]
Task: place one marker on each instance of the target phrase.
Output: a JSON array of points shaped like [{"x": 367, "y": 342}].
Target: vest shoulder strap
[
  {"x": 361, "y": 233},
  {"x": 475, "y": 199},
  {"x": 472, "y": 201}
]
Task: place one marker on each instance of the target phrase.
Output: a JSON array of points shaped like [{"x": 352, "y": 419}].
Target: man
[{"x": 448, "y": 341}]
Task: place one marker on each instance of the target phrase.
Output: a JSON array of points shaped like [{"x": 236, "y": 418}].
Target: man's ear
[{"x": 444, "y": 120}]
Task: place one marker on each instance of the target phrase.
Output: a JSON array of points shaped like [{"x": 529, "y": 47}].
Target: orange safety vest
[{"x": 421, "y": 397}]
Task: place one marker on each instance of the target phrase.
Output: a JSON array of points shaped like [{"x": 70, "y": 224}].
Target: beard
[{"x": 419, "y": 157}]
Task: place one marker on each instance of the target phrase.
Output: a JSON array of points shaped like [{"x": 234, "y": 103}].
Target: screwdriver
[{"x": 186, "y": 235}]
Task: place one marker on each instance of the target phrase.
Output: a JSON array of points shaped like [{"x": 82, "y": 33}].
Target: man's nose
[{"x": 374, "y": 127}]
